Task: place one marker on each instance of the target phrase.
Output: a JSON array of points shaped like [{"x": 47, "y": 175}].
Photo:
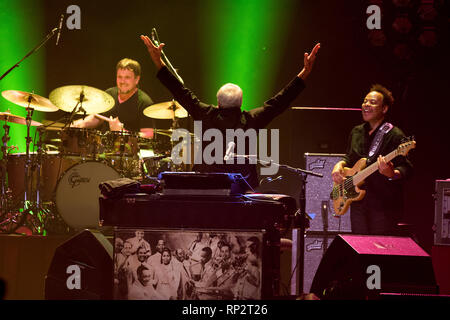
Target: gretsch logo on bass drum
[{"x": 75, "y": 179}]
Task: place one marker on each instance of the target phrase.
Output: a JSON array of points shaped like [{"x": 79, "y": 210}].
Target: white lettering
[
  {"x": 74, "y": 280},
  {"x": 374, "y": 20}
]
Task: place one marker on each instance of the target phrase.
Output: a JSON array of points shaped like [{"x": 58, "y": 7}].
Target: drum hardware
[
  {"x": 10, "y": 219},
  {"x": 21, "y": 200},
  {"x": 3, "y": 199}
]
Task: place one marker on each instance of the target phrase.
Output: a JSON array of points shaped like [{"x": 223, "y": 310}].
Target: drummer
[{"x": 130, "y": 101}]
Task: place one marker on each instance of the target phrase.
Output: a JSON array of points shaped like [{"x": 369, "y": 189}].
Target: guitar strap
[{"x": 376, "y": 142}]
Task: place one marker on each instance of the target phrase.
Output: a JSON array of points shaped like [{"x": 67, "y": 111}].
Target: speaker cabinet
[
  {"x": 442, "y": 213},
  {"x": 318, "y": 203},
  {"x": 81, "y": 268},
  {"x": 362, "y": 267},
  {"x": 316, "y": 244}
]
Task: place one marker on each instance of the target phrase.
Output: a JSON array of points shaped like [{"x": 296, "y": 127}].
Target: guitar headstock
[{"x": 406, "y": 146}]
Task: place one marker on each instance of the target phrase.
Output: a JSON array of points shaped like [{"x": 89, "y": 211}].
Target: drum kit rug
[{"x": 52, "y": 188}]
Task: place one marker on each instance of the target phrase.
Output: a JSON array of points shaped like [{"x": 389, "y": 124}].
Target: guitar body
[{"x": 343, "y": 196}]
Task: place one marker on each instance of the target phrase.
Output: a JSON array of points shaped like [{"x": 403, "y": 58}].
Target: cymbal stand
[
  {"x": 4, "y": 160},
  {"x": 175, "y": 123},
  {"x": 27, "y": 149},
  {"x": 74, "y": 110},
  {"x": 38, "y": 166}
]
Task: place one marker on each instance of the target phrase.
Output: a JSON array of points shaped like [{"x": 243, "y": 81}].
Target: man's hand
[
  {"x": 146, "y": 133},
  {"x": 308, "y": 62},
  {"x": 115, "y": 124},
  {"x": 155, "y": 52},
  {"x": 387, "y": 168},
  {"x": 338, "y": 174}
]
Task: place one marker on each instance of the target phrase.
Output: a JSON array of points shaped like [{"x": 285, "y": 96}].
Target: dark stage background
[{"x": 346, "y": 66}]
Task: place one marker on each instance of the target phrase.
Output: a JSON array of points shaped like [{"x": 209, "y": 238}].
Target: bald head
[{"x": 229, "y": 96}]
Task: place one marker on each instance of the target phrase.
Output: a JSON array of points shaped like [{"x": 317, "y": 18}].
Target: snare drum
[
  {"x": 121, "y": 143},
  {"x": 77, "y": 193},
  {"x": 80, "y": 142}
]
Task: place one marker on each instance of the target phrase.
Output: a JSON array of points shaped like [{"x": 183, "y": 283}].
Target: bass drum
[{"x": 77, "y": 193}]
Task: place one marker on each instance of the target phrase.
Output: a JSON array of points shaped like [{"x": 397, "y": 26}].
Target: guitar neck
[{"x": 363, "y": 174}]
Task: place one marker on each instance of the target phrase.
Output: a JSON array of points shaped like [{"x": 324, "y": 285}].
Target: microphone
[
  {"x": 59, "y": 28},
  {"x": 155, "y": 37},
  {"x": 229, "y": 152}
]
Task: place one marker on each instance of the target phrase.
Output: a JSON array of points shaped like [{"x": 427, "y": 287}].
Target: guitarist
[{"x": 381, "y": 208}]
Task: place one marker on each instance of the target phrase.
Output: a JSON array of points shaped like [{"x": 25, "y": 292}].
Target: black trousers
[{"x": 374, "y": 217}]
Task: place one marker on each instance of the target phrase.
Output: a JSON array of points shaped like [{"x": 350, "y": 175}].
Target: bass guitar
[{"x": 343, "y": 194}]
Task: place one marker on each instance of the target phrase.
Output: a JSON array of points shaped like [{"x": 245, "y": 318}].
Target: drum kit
[{"x": 55, "y": 184}]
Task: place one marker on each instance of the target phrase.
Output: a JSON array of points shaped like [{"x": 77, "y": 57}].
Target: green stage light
[
  {"x": 243, "y": 43},
  {"x": 21, "y": 29}
]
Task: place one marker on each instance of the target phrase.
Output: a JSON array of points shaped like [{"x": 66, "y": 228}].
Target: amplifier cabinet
[
  {"x": 195, "y": 264},
  {"x": 442, "y": 213},
  {"x": 318, "y": 203}
]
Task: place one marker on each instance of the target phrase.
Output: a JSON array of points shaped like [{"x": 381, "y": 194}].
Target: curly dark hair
[{"x": 388, "y": 99}]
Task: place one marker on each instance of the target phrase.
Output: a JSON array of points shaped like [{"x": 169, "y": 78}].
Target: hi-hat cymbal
[
  {"x": 53, "y": 126},
  {"x": 25, "y": 99},
  {"x": 166, "y": 110},
  {"x": 93, "y": 100},
  {"x": 6, "y": 116}
]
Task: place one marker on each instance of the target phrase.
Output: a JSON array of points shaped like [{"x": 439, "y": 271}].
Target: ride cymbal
[{"x": 92, "y": 100}]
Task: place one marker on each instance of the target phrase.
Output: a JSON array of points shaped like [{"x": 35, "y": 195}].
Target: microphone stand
[
  {"x": 49, "y": 35},
  {"x": 301, "y": 221}
]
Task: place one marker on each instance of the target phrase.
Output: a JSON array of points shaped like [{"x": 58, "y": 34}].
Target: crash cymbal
[
  {"x": 6, "y": 116},
  {"x": 93, "y": 100},
  {"x": 166, "y": 110},
  {"x": 36, "y": 102}
]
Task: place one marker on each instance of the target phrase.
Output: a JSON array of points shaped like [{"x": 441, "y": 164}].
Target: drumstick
[{"x": 102, "y": 117}]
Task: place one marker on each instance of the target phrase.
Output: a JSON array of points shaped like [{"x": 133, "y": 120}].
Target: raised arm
[
  {"x": 183, "y": 95},
  {"x": 154, "y": 51},
  {"x": 281, "y": 101},
  {"x": 308, "y": 62}
]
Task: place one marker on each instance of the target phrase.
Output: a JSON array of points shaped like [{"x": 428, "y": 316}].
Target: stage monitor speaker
[
  {"x": 82, "y": 268},
  {"x": 2, "y": 289},
  {"x": 363, "y": 267},
  {"x": 318, "y": 203}
]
